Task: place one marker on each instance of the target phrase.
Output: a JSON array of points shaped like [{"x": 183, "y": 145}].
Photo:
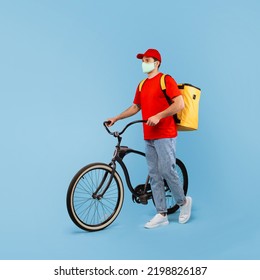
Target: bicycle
[{"x": 95, "y": 194}]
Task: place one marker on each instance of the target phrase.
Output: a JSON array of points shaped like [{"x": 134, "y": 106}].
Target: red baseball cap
[{"x": 150, "y": 53}]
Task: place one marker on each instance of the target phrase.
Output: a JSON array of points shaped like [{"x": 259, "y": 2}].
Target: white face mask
[{"x": 148, "y": 67}]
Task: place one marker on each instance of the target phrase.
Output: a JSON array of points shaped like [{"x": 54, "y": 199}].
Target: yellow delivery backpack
[{"x": 188, "y": 118}]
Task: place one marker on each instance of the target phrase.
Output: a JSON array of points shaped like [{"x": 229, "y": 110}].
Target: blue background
[{"x": 68, "y": 65}]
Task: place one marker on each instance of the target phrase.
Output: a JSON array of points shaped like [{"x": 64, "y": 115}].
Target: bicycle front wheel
[{"x": 91, "y": 211}]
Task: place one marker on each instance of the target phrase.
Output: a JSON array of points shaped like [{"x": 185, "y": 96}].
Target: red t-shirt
[{"x": 152, "y": 101}]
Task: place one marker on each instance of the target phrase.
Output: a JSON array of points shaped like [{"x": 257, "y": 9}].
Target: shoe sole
[
  {"x": 185, "y": 221},
  {"x": 157, "y": 225}
]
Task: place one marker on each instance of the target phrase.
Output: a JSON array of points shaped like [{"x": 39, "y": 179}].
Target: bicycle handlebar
[{"x": 116, "y": 133}]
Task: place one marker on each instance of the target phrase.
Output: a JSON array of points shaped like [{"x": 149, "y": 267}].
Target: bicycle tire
[{"x": 92, "y": 214}]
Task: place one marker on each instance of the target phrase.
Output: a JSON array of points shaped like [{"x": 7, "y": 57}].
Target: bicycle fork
[{"x": 97, "y": 196}]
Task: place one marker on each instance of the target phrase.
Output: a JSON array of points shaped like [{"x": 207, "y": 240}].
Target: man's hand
[
  {"x": 154, "y": 120},
  {"x": 111, "y": 121}
]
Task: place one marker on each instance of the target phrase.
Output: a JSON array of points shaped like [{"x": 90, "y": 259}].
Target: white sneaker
[
  {"x": 156, "y": 221},
  {"x": 185, "y": 211}
]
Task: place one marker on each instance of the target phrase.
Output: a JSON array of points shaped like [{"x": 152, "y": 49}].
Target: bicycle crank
[{"x": 142, "y": 194}]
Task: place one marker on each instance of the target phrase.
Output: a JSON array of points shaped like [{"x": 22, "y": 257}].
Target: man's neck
[{"x": 153, "y": 73}]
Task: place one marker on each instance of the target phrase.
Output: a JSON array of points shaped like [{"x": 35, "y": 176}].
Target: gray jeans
[{"x": 161, "y": 160}]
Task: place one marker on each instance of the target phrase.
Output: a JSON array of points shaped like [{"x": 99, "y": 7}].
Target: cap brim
[{"x": 140, "y": 56}]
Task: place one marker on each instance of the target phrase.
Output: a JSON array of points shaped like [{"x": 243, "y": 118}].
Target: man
[{"x": 160, "y": 134}]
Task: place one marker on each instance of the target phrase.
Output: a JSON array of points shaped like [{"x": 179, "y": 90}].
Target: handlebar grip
[{"x": 105, "y": 123}]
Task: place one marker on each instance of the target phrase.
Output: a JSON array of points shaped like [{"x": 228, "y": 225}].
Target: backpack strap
[
  {"x": 141, "y": 84},
  {"x": 163, "y": 87},
  {"x": 163, "y": 83}
]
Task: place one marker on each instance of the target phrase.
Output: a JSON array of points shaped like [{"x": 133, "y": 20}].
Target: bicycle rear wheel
[
  {"x": 183, "y": 176},
  {"x": 88, "y": 211}
]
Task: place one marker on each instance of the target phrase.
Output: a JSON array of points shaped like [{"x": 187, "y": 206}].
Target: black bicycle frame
[{"x": 120, "y": 153}]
